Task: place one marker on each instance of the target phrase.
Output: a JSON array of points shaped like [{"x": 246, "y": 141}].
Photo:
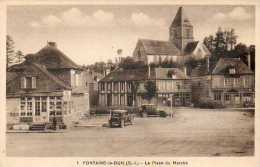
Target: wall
[
  {"x": 218, "y": 82},
  {"x": 63, "y": 75},
  {"x": 12, "y": 106},
  {"x": 80, "y": 107},
  {"x": 171, "y": 85}
]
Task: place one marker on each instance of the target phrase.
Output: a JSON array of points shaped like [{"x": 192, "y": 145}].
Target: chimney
[
  {"x": 52, "y": 44},
  {"x": 249, "y": 61},
  {"x": 149, "y": 71},
  {"x": 185, "y": 70}
]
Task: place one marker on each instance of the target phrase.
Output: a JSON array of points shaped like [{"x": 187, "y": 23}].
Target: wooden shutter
[
  {"x": 33, "y": 82},
  {"x": 23, "y": 82}
]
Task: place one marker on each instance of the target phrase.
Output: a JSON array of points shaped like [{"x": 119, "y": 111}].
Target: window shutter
[
  {"x": 33, "y": 82},
  {"x": 23, "y": 82}
]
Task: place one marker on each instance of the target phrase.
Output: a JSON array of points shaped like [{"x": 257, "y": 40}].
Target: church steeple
[{"x": 181, "y": 30}]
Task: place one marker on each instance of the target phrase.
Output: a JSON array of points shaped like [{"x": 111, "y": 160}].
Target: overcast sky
[{"x": 94, "y": 33}]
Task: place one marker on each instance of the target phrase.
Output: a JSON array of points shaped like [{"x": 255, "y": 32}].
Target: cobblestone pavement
[{"x": 189, "y": 133}]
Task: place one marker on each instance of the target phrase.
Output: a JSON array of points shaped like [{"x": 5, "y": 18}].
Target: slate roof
[
  {"x": 163, "y": 73},
  {"x": 52, "y": 58},
  {"x": 156, "y": 47},
  {"x": 223, "y": 65},
  {"x": 181, "y": 19},
  {"x": 13, "y": 73},
  {"x": 190, "y": 47},
  {"x": 142, "y": 74},
  {"x": 10, "y": 76},
  {"x": 120, "y": 74},
  {"x": 51, "y": 76}
]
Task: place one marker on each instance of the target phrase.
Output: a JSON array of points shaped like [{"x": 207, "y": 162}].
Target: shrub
[
  {"x": 208, "y": 104},
  {"x": 162, "y": 114}
]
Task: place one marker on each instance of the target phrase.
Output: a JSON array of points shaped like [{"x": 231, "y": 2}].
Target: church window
[{"x": 188, "y": 33}]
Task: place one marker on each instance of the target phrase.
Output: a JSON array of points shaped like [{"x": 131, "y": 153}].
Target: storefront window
[
  {"x": 44, "y": 104},
  {"x": 37, "y": 106},
  {"x": 217, "y": 96}
]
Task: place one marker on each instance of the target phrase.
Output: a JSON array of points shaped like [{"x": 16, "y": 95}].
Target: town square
[{"x": 130, "y": 81}]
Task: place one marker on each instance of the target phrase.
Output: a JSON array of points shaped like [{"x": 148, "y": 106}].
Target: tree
[
  {"x": 19, "y": 56},
  {"x": 232, "y": 38},
  {"x": 252, "y": 56},
  {"x": 242, "y": 51},
  {"x": 130, "y": 63},
  {"x": 220, "y": 44},
  {"x": 209, "y": 42},
  {"x": 10, "y": 54},
  {"x": 150, "y": 87}
]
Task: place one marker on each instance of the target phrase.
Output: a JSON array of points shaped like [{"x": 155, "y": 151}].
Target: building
[
  {"x": 123, "y": 87},
  {"x": 178, "y": 48},
  {"x": 173, "y": 87},
  {"x": 47, "y": 84},
  {"x": 118, "y": 87},
  {"x": 230, "y": 82},
  {"x": 92, "y": 79}
]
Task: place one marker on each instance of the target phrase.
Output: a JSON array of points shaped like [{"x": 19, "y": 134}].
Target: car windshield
[{"x": 114, "y": 114}]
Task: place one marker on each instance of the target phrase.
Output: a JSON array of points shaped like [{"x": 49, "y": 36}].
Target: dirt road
[{"x": 189, "y": 133}]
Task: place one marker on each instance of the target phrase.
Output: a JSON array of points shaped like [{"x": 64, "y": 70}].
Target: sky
[{"x": 91, "y": 33}]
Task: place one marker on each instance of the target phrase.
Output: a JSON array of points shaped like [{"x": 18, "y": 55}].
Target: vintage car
[
  {"x": 149, "y": 110},
  {"x": 120, "y": 118}
]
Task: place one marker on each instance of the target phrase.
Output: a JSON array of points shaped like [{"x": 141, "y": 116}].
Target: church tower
[{"x": 181, "y": 30}]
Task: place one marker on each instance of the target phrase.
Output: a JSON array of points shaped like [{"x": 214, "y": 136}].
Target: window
[
  {"x": 122, "y": 86},
  {"x": 28, "y": 82},
  {"x": 29, "y": 106},
  {"x": 188, "y": 33},
  {"x": 55, "y": 105},
  {"x": 237, "y": 82},
  {"x": 122, "y": 99},
  {"x": 109, "y": 86},
  {"x": 217, "y": 96},
  {"x": 102, "y": 86},
  {"x": 128, "y": 86},
  {"x": 44, "y": 104},
  {"x": 228, "y": 81},
  {"x": 26, "y": 106},
  {"x": 246, "y": 82},
  {"x": 115, "y": 86},
  {"x": 37, "y": 106},
  {"x": 227, "y": 97},
  {"x": 232, "y": 70},
  {"x": 178, "y": 85}
]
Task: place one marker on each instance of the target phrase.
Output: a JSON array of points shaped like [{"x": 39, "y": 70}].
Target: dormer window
[
  {"x": 232, "y": 70},
  {"x": 28, "y": 82}
]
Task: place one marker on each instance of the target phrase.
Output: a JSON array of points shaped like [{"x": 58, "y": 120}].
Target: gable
[
  {"x": 197, "y": 50},
  {"x": 45, "y": 82},
  {"x": 224, "y": 65}
]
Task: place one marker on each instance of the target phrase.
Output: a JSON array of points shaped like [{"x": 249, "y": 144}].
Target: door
[
  {"x": 129, "y": 100},
  {"x": 109, "y": 99},
  {"x": 237, "y": 99},
  {"x": 40, "y": 110}
]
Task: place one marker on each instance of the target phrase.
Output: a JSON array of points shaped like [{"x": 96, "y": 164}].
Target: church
[{"x": 178, "y": 48}]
